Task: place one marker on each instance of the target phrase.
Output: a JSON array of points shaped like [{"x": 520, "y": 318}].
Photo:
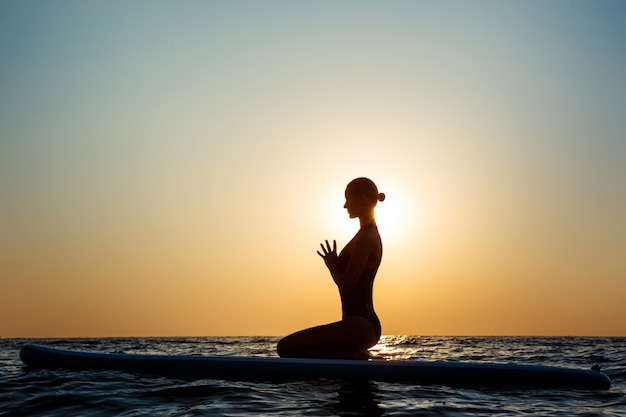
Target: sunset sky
[{"x": 170, "y": 168}]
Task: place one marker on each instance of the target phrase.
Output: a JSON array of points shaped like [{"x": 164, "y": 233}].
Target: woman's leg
[{"x": 347, "y": 338}]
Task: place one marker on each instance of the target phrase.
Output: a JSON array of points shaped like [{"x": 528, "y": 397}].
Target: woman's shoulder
[
  {"x": 371, "y": 230},
  {"x": 368, "y": 234}
]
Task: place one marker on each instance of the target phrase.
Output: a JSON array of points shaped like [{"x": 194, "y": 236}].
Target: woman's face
[{"x": 355, "y": 204}]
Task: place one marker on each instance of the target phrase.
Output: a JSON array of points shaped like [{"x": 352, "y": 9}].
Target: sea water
[{"x": 25, "y": 392}]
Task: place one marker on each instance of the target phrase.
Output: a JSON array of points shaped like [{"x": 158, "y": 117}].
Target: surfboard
[{"x": 271, "y": 368}]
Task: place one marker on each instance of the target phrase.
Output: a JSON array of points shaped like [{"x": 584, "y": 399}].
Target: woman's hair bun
[{"x": 381, "y": 196}]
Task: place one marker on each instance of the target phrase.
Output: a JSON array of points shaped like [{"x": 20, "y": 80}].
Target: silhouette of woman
[{"x": 353, "y": 270}]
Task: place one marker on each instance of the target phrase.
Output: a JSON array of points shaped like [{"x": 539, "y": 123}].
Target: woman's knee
[{"x": 282, "y": 347}]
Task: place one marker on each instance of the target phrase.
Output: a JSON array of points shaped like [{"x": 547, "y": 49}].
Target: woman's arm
[{"x": 361, "y": 250}]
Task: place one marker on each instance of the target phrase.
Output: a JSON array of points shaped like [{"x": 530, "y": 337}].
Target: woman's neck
[{"x": 367, "y": 221}]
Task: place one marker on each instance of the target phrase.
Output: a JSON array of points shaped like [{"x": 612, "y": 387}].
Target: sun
[{"x": 392, "y": 216}]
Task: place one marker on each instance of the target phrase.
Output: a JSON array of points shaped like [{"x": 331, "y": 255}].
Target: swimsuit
[{"x": 358, "y": 301}]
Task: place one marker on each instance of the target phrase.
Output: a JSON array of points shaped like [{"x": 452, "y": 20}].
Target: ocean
[{"x": 66, "y": 393}]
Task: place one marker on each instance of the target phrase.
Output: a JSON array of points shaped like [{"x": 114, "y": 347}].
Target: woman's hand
[{"x": 329, "y": 255}]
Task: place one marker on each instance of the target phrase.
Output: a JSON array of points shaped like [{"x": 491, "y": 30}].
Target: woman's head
[{"x": 362, "y": 196}]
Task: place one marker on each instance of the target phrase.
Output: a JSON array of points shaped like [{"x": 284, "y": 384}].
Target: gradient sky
[{"x": 170, "y": 168}]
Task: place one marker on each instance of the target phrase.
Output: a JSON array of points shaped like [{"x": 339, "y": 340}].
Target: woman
[{"x": 353, "y": 270}]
